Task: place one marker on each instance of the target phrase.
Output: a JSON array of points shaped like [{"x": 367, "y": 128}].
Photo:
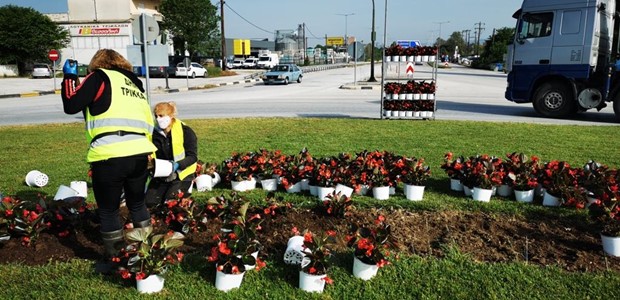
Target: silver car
[{"x": 41, "y": 70}]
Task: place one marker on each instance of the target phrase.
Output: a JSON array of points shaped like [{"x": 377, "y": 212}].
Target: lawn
[{"x": 59, "y": 150}]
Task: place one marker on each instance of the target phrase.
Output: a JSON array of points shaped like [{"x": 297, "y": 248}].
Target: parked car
[
  {"x": 195, "y": 69},
  {"x": 160, "y": 71},
  {"x": 250, "y": 63},
  {"x": 283, "y": 73},
  {"x": 41, "y": 70},
  {"x": 237, "y": 63}
]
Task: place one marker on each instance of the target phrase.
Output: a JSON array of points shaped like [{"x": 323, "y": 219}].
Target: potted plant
[
  {"x": 237, "y": 247},
  {"x": 595, "y": 179},
  {"x": 265, "y": 166},
  {"x": 378, "y": 175},
  {"x": 314, "y": 266},
  {"x": 238, "y": 170},
  {"x": 206, "y": 176},
  {"x": 148, "y": 256},
  {"x": 414, "y": 175},
  {"x": 371, "y": 244},
  {"x": 337, "y": 205},
  {"x": 556, "y": 177},
  {"x": 485, "y": 176},
  {"x": 324, "y": 177},
  {"x": 605, "y": 211},
  {"x": 183, "y": 214},
  {"x": 523, "y": 174},
  {"x": 454, "y": 169}
]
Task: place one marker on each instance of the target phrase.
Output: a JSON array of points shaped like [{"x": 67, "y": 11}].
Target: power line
[
  {"x": 312, "y": 34},
  {"x": 271, "y": 32}
]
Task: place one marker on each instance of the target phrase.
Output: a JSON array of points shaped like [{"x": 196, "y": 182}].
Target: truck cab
[
  {"x": 267, "y": 61},
  {"x": 562, "y": 57}
]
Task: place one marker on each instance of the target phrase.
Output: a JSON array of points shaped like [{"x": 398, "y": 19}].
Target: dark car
[
  {"x": 160, "y": 71},
  {"x": 283, "y": 73}
]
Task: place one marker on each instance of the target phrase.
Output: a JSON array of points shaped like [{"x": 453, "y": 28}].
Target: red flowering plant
[
  {"x": 25, "y": 219},
  {"x": 206, "y": 168},
  {"x": 409, "y": 87},
  {"x": 486, "y": 171},
  {"x": 265, "y": 163},
  {"x": 239, "y": 167},
  {"x": 377, "y": 170},
  {"x": 453, "y": 166},
  {"x": 237, "y": 244},
  {"x": 415, "y": 171},
  {"x": 336, "y": 205},
  {"x": 389, "y": 104},
  {"x": 394, "y": 50},
  {"x": 148, "y": 253},
  {"x": 521, "y": 171},
  {"x": 70, "y": 215},
  {"x": 595, "y": 179},
  {"x": 557, "y": 176},
  {"x": 296, "y": 168},
  {"x": 317, "y": 251},
  {"x": 605, "y": 211},
  {"x": 183, "y": 214},
  {"x": 359, "y": 172},
  {"x": 324, "y": 172},
  {"x": 372, "y": 244},
  {"x": 392, "y": 88}
]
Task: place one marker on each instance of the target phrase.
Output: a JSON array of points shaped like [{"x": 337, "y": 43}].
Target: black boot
[
  {"x": 113, "y": 242},
  {"x": 142, "y": 224}
]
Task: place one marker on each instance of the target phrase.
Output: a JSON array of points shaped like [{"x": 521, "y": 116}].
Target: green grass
[{"x": 59, "y": 151}]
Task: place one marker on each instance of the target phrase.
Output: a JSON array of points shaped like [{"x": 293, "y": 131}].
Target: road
[{"x": 462, "y": 94}]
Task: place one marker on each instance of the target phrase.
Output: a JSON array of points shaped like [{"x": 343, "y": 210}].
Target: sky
[{"x": 406, "y": 19}]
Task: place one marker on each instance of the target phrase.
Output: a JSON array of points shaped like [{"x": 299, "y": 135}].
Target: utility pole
[
  {"x": 223, "y": 36},
  {"x": 478, "y": 32},
  {"x": 373, "y": 36}
]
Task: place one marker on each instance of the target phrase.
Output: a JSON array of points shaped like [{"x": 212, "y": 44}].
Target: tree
[
  {"x": 495, "y": 47},
  {"x": 456, "y": 40},
  {"x": 27, "y": 36},
  {"x": 194, "y": 22}
]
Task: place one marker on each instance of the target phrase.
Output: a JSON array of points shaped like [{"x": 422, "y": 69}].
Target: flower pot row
[
  {"x": 410, "y": 96},
  {"x": 408, "y": 114},
  {"x": 410, "y": 87},
  {"x": 410, "y": 58}
]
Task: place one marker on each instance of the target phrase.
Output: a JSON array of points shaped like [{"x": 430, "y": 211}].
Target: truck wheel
[
  {"x": 617, "y": 108},
  {"x": 299, "y": 79},
  {"x": 553, "y": 100}
]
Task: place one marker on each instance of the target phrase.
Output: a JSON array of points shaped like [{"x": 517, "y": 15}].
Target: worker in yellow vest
[
  {"x": 176, "y": 142},
  {"x": 119, "y": 125}
]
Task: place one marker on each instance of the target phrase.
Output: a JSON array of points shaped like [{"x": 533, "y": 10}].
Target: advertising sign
[{"x": 334, "y": 41}]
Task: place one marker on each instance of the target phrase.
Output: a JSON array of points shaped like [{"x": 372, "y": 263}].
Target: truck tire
[{"x": 554, "y": 100}]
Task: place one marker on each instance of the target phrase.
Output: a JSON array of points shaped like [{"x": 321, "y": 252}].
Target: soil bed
[{"x": 542, "y": 240}]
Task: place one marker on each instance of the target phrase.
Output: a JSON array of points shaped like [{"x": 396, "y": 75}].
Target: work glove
[
  {"x": 70, "y": 67},
  {"x": 172, "y": 177},
  {"x": 175, "y": 166}
]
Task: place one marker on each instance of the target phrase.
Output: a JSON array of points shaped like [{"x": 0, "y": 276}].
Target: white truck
[
  {"x": 267, "y": 61},
  {"x": 563, "y": 56}
]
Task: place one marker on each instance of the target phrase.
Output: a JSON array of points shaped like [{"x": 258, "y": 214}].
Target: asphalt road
[{"x": 462, "y": 94}]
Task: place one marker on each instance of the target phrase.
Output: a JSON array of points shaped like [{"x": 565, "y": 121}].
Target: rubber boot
[
  {"x": 113, "y": 242},
  {"x": 142, "y": 224}
]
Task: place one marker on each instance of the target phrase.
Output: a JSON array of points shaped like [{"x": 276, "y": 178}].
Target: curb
[
  {"x": 30, "y": 94},
  {"x": 207, "y": 86},
  {"x": 350, "y": 86}
]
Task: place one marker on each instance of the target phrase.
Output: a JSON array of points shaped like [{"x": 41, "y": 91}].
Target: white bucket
[
  {"x": 204, "y": 182},
  {"x": 550, "y": 200},
  {"x": 313, "y": 190},
  {"x": 504, "y": 190},
  {"x": 36, "y": 179},
  {"x": 81, "y": 187},
  {"x": 163, "y": 168},
  {"x": 226, "y": 282},
  {"x": 482, "y": 195},
  {"x": 269, "y": 184},
  {"x": 381, "y": 192},
  {"x": 414, "y": 192},
  {"x": 344, "y": 190},
  {"x": 456, "y": 185},
  {"x": 151, "y": 284},
  {"x": 362, "y": 270},
  {"x": 305, "y": 184},
  {"x": 294, "y": 250},
  {"x": 611, "y": 245},
  {"x": 295, "y": 188},
  {"x": 65, "y": 192},
  {"x": 311, "y": 283},
  {"x": 323, "y": 192},
  {"x": 524, "y": 196}
]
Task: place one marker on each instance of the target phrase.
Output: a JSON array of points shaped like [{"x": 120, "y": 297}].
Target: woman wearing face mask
[{"x": 176, "y": 142}]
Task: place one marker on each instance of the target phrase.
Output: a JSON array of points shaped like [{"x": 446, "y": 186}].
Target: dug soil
[{"x": 543, "y": 239}]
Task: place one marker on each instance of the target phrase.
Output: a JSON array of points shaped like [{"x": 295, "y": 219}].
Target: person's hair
[
  {"x": 109, "y": 59},
  {"x": 166, "y": 108}
]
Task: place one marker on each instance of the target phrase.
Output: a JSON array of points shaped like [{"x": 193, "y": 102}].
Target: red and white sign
[
  {"x": 109, "y": 29},
  {"x": 53, "y": 55},
  {"x": 410, "y": 69}
]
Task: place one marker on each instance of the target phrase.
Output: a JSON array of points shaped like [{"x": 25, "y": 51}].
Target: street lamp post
[
  {"x": 373, "y": 35},
  {"x": 346, "y": 42},
  {"x": 382, "y": 56}
]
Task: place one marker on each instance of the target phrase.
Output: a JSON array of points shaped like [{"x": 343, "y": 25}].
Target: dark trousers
[
  {"x": 110, "y": 178},
  {"x": 159, "y": 190}
]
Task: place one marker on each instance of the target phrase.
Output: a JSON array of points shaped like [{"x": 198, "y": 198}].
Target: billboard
[
  {"x": 241, "y": 47},
  {"x": 334, "y": 41}
]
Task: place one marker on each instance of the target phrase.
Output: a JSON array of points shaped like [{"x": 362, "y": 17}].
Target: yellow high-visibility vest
[
  {"x": 178, "y": 151},
  {"x": 126, "y": 128}
]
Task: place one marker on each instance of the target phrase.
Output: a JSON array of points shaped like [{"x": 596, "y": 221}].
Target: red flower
[
  {"x": 295, "y": 231},
  {"x": 260, "y": 264},
  {"x": 235, "y": 270},
  {"x": 223, "y": 248},
  {"x": 140, "y": 276},
  {"x": 328, "y": 280},
  {"x": 125, "y": 274},
  {"x": 312, "y": 270}
]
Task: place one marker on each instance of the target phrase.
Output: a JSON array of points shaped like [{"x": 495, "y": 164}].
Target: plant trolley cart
[{"x": 405, "y": 96}]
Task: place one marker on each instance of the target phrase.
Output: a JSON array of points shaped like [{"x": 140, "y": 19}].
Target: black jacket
[{"x": 164, "y": 146}]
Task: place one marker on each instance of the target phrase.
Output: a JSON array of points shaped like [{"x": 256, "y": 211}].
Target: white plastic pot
[
  {"x": 482, "y": 195},
  {"x": 414, "y": 192},
  {"x": 456, "y": 185},
  {"x": 163, "y": 168},
  {"x": 311, "y": 283},
  {"x": 344, "y": 190},
  {"x": 269, "y": 184},
  {"x": 152, "y": 284},
  {"x": 294, "y": 250},
  {"x": 550, "y": 200},
  {"x": 81, "y": 187},
  {"x": 323, "y": 192},
  {"x": 36, "y": 178},
  {"x": 295, "y": 188},
  {"x": 611, "y": 245},
  {"x": 381, "y": 192},
  {"x": 524, "y": 196},
  {"x": 226, "y": 282},
  {"x": 65, "y": 192},
  {"x": 204, "y": 182},
  {"x": 362, "y": 270}
]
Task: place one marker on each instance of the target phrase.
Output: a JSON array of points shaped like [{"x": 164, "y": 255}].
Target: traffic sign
[
  {"x": 53, "y": 55},
  {"x": 408, "y": 43},
  {"x": 410, "y": 69}
]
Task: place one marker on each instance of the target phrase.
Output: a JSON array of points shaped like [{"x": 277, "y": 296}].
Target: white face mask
[{"x": 164, "y": 122}]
